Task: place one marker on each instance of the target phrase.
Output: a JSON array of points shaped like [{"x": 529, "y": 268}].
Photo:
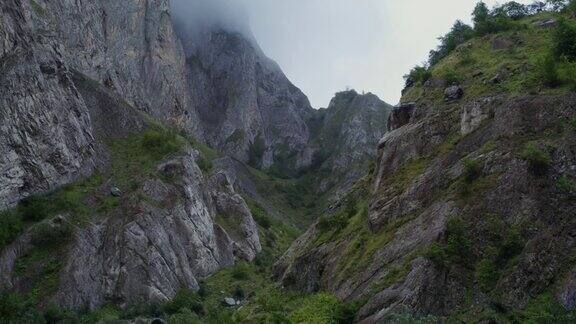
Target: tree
[
  {"x": 512, "y": 10},
  {"x": 459, "y": 34},
  {"x": 480, "y": 14}
]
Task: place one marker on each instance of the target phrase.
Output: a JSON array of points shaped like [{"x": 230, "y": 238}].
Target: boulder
[
  {"x": 548, "y": 23},
  {"x": 401, "y": 115},
  {"x": 115, "y": 191},
  {"x": 453, "y": 93},
  {"x": 230, "y": 302}
]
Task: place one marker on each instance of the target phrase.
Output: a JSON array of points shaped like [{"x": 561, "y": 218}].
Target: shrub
[
  {"x": 573, "y": 124},
  {"x": 48, "y": 234},
  {"x": 538, "y": 160},
  {"x": 545, "y": 309},
  {"x": 472, "y": 170},
  {"x": 10, "y": 226},
  {"x": 418, "y": 75},
  {"x": 487, "y": 274},
  {"x": 33, "y": 208},
  {"x": 564, "y": 40},
  {"x": 451, "y": 77},
  {"x": 239, "y": 293},
  {"x": 185, "y": 299},
  {"x": 547, "y": 69},
  {"x": 204, "y": 164},
  {"x": 240, "y": 272},
  {"x": 256, "y": 152},
  {"x": 320, "y": 308},
  {"x": 161, "y": 142},
  {"x": 456, "y": 248},
  {"x": 260, "y": 215},
  {"x": 185, "y": 316},
  {"x": 437, "y": 254},
  {"x": 335, "y": 222},
  {"x": 459, "y": 34}
]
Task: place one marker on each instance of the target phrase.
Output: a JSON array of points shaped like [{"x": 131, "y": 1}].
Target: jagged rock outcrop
[
  {"x": 168, "y": 244},
  {"x": 346, "y": 137}
]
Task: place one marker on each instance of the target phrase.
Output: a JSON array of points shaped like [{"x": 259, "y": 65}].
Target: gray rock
[
  {"x": 453, "y": 93},
  {"x": 548, "y": 23},
  {"x": 230, "y": 302},
  {"x": 115, "y": 191},
  {"x": 475, "y": 113},
  {"x": 401, "y": 115},
  {"x": 497, "y": 79}
]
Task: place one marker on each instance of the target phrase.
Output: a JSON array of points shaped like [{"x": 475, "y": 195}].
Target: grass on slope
[{"x": 476, "y": 64}]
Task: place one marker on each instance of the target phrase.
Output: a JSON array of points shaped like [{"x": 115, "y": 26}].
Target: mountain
[{"x": 468, "y": 216}]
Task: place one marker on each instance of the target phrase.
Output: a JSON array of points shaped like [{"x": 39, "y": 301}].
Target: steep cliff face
[
  {"x": 129, "y": 46},
  {"x": 248, "y": 107},
  {"x": 469, "y": 213}
]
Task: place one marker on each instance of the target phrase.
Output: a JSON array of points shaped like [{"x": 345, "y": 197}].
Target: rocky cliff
[
  {"x": 249, "y": 109},
  {"x": 345, "y": 139}
]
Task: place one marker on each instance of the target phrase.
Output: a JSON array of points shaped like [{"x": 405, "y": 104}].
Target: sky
[{"x": 326, "y": 46}]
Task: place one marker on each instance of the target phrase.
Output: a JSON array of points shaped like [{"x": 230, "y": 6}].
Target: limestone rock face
[
  {"x": 44, "y": 124},
  {"x": 248, "y": 107}
]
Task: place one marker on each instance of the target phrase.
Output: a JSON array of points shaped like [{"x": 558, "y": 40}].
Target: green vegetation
[
  {"x": 135, "y": 158},
  {"x": 256, "y": 152},
  {"x": 418, "y": 75},
  {"x": 538, "y": 160},
  {"x": 547, "y": 67},
  {"x": 566, "y": 185},
  {"x": 564, "y": 40},
  {"x": 238, "y": 136},
  {"x": 472, "y": 170},
  {"x": 47, "y": 234},
  {"x": 495, "y": 51},
  {"x": 11, "y": 224},
  {"x": 455, "y": 247}
]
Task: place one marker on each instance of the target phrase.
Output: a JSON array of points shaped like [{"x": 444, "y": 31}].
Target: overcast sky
[{"x": 325, "y": 46}]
